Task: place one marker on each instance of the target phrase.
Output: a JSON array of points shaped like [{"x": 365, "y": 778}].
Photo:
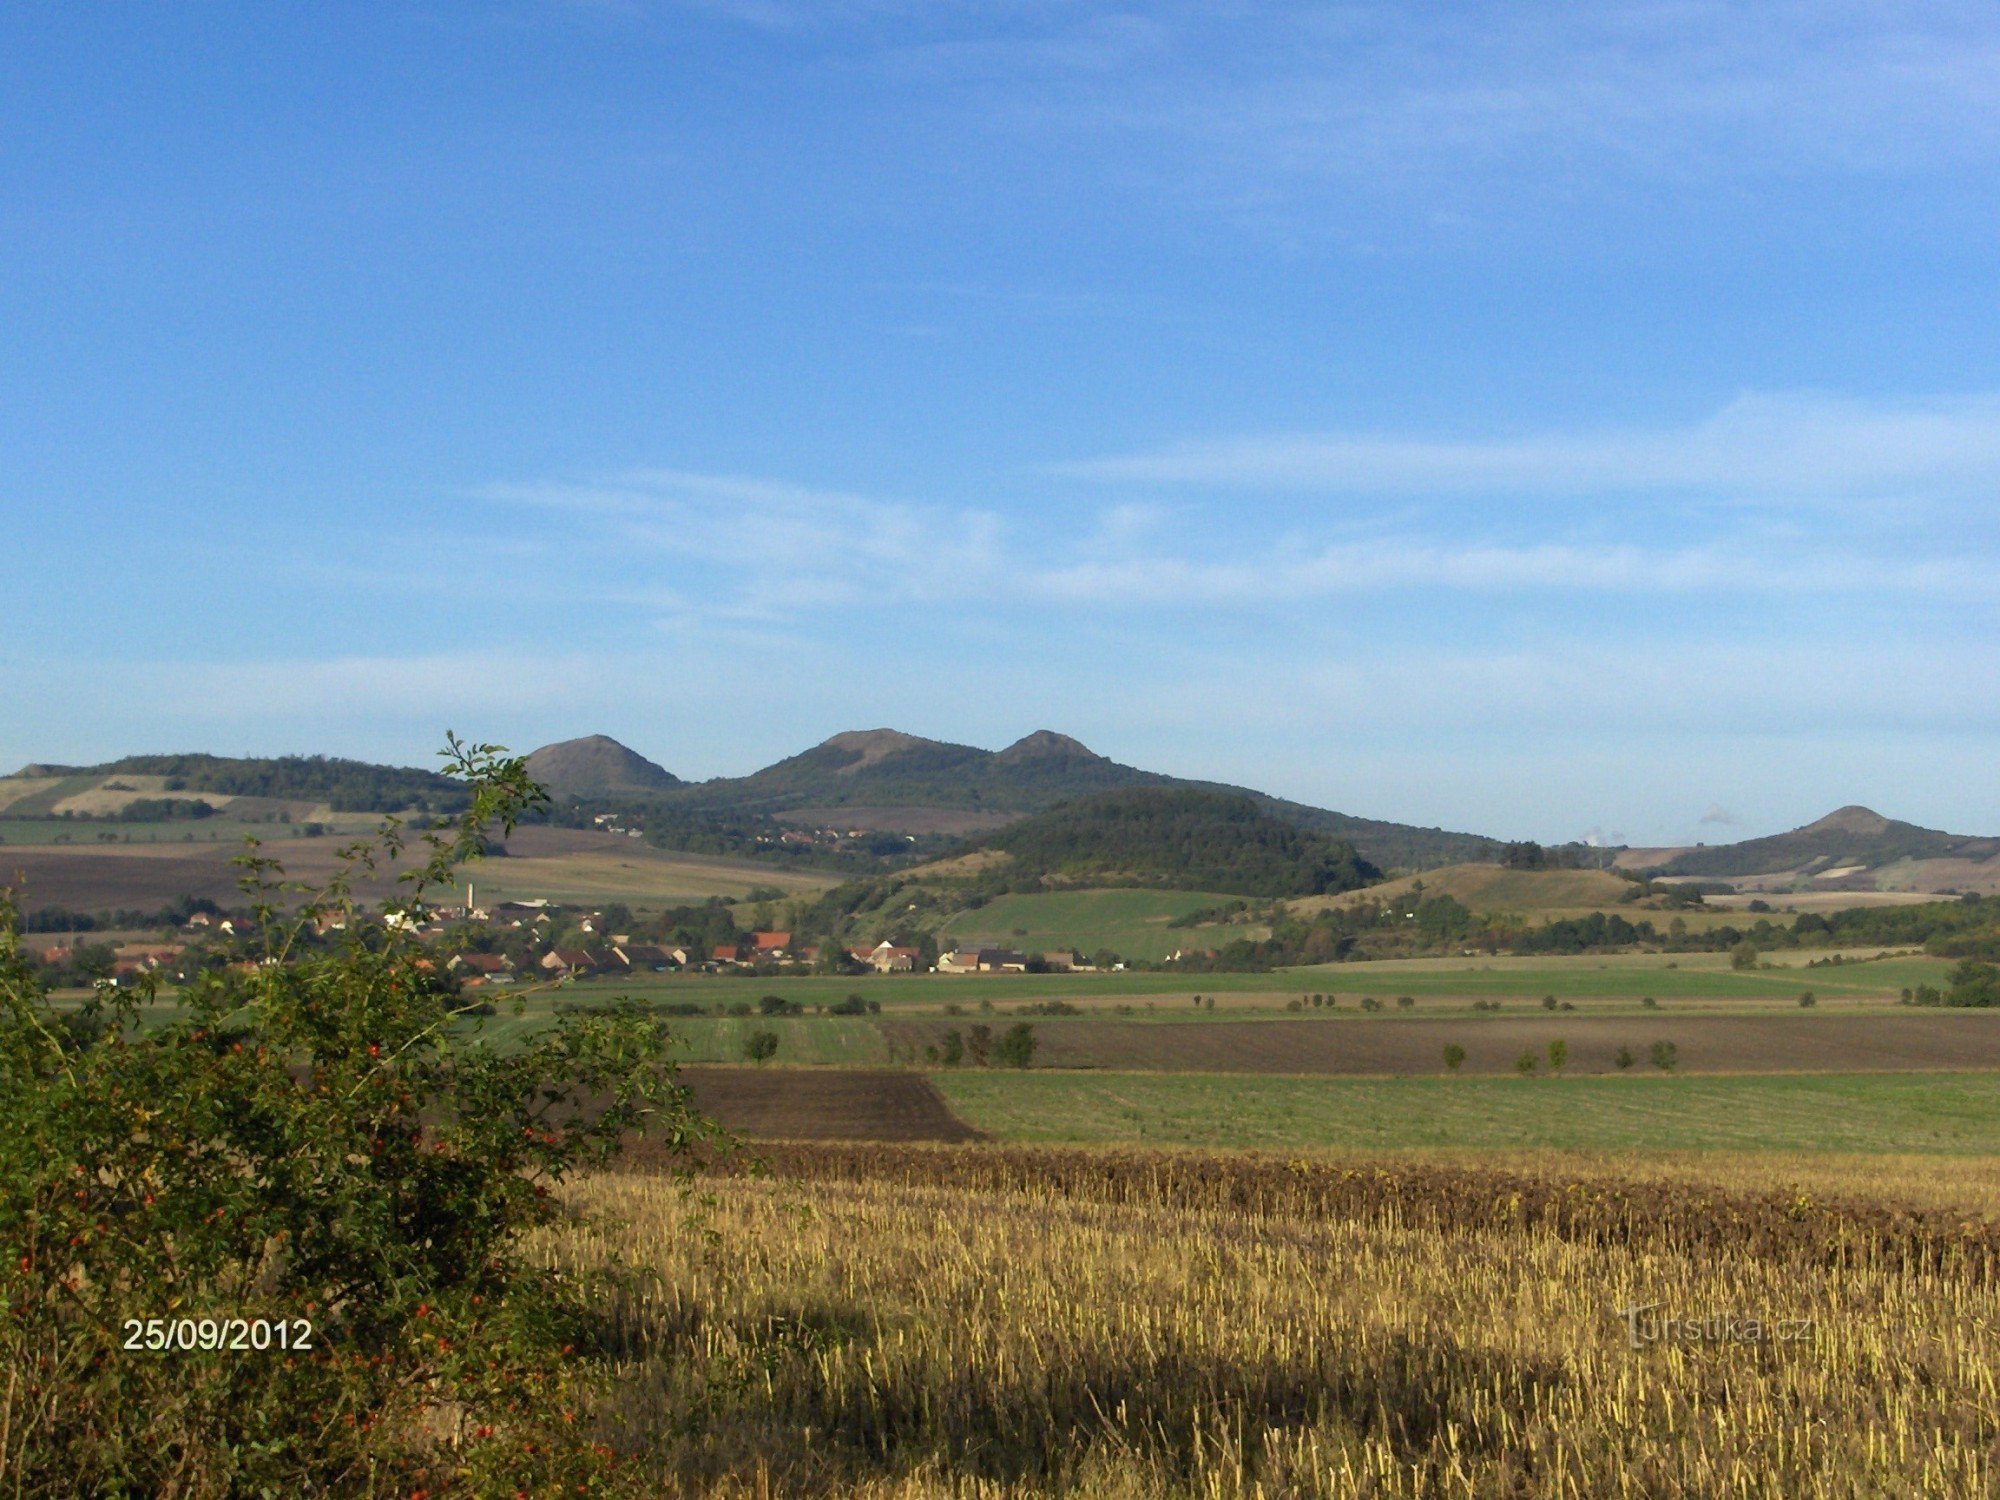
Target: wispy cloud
[{"x": 1758, "y": 447}]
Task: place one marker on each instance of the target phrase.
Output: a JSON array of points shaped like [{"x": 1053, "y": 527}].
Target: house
[
  {"x": 568, "y": 963},
  {"x": 982, "y": 961},
  {"x": 496, "y": 967},
  {"x": 199, "y": 919},
  {"x": 148, "y": 955},
  {"x": 727, "y": 953},
  {"x": 770, "y": 944},
  {"x": 887, "y": 958},
  {"x": 644, "y": 956}
]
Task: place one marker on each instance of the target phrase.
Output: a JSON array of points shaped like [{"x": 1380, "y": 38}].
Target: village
[{"x": 524, "y": 941}]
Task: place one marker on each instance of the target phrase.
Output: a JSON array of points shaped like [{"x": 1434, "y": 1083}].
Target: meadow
[{"x": 1132, "y": 923}]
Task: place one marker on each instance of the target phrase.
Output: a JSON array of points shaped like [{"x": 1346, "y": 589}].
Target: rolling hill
[
  {"x": 597, "y": 764},
  {"x": 894, "y": 782},
  {"x": 1177, "y": 838},
  {"x": 1855, "y": 846}
]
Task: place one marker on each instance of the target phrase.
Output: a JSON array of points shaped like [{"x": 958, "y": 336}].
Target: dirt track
[
  {"x": 1892, "y": 1040},
  {"x": 825, "y": 1104}
]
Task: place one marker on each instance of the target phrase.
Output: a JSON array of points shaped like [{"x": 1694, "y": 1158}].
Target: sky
[{"x": 1536, "y": 419}]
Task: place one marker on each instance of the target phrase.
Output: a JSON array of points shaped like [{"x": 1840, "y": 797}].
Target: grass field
[
  {"x": 1925, "y": 1113},
  {"x": 1619, "y": 979},
  {"x": 1132, "y": 923}
]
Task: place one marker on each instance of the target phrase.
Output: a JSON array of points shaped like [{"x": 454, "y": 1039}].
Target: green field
[
  {"x": 719, "y": 1039},
  {"x": 1132, "y": 923},
  {"x": 1955, "y": 1113},
  {"x": 1619, "y": 981}
]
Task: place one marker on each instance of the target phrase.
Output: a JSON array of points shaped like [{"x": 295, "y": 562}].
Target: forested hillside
[{"x": 1182, "y": 840}]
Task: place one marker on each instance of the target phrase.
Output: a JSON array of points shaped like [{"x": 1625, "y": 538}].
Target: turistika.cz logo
[{"x": 1646, "y": 1325}]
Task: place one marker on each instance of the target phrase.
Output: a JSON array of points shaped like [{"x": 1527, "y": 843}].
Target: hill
[
  {"x": 899, "y": 782},
  {"x": 1495, "y": 888},
  {"x": 1178, "y": 839},
  {"x": 597, "y": 763},
  {"x": 342, "y": 785},
  {"x": 1853, "y": 843}
]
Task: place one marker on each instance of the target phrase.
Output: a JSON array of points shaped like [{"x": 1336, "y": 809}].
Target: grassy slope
[
  {"x": 1132, "y": 923},
  {"x": 1854, "y": 1112}
]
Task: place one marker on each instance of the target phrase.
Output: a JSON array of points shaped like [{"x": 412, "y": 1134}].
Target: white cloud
[
  {"x": 772, "y": 546},
  {"x": 1757, "y": 448}
]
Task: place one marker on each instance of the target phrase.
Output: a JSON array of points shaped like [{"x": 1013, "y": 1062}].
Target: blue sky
[{"x": 1529, "y": 418}]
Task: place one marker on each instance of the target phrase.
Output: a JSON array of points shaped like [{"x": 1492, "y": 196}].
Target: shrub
[
  {"x": 1664, "y": 1056},
  {"x": 1647, "y": 1002},
  {"x": 1558, "y": 1055},
  {"x": 760, "y": 1046},
  {"x": 1016, "y": 1047},
  {"x": 1744, "y": 955},
  {"x": 1525, "y": 1063},
  {"x": 1454, "y": 1056},
  {"x": 1370, "y": 1003},
  {"x": 1406, "y": 1002},
  {"x": 1622, "y": 1059},
  {"x": 1548, "y": 1002},
  {"x": 953, "y": 1051},
  {"x": 1807, "y": 998}
]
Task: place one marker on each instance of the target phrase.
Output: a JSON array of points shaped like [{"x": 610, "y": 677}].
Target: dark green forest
[{"x": 1179, "y": 840}]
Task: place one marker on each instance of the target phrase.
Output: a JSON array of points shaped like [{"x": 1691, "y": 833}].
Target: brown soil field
[
  {"x": 1892, "y": 1041},
  {"x": 825, "y": 1104},
  {"x": 88, "y": 877},
  {"x": 571, "y": 864}
]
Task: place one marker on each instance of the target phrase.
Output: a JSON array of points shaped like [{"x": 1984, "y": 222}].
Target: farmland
[
  {"x": 154, "y": 864},
  {"x": 1948, "y": 1113},
  {"x": 1132, "y": 923},
  {"x": 911, "y": 1322}
]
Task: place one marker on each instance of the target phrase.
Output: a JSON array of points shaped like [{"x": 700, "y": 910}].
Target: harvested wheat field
[
  {"x": 844, "y": 1104},
  {"x": 913, "y": 1321}
]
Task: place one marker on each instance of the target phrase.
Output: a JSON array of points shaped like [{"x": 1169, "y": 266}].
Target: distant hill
[
  {"x": 891, "y": 775},
  {"x": 1179, "y": 839},
  {"x": 343, "y": 785},
  {"x": 1851, "y": 842},
  {"x": 597, "y": 764}
]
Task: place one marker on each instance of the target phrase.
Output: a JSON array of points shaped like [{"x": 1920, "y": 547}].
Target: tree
[
  {"x": 1016, "y": 1047},
  {"x": 1454, "y": 1055},
  {"x": 1623, "y": 1059},
  {"x": 1525, "y": 1063},
  {"x": 319, "y": 1142},
  {"x": 1558, "y": 1055},
  {"x": 953, "y": 1051},
  {"x": 1744, "y": 955},
  {"x": 1664, "y": 1055},
  {"x": 760, "y": 1046},
  {"x": 979, "y": 1042}
]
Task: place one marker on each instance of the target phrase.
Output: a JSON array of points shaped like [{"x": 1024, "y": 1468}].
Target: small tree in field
[
  {"x": 1558, "y": 1055},
  {"x": 320, "y": 1142},
  {"x": 1664, "y": 1055},
  {"x": 1454, "y": 1056},
  {"x": 1744, "y": 955},
  {"x": 760, "y": 1046},
  {"x": 1525, "y": 1063},
  {"x": 1016, "y": 1047},
  {"x": 1623, "y": 1059}
]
